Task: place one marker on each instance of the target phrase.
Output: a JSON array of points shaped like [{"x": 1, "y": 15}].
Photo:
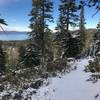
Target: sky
[{"x": 15, "y": 12}]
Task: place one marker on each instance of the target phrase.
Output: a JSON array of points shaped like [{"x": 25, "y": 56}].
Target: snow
[
  {"x": 75, "y": 35},
  {"x": 72, "y": 86}
]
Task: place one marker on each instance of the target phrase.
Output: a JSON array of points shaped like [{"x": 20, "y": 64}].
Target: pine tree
[
  {"x": 41, "y": 15},
  {"x": 95, "y": 3},
  {"x": 2, "y": 22},
  {"x": 97, "y": 34},
  {"x": 2, "y": 54},
  {"x": 31, "y": 57},
  {"x": 67, "y": 17},
  {"x": 98, "y": 31},
  {"x": 2, "y": 60},
  {"x": 71, "y": 46},
  {"x": 21, "y": 51},
  {"x": 82, "y": 27},
  {"x": 92, "y": 3},
  {"x": 97, "y": 39}
]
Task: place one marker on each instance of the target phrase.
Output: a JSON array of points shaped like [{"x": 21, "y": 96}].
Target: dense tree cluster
[
  {"x": 44, "y": 45},
  {"x": 67, "y": 18},
  {"x": 42, "y": 40},
  {"x": 41, "y": 14},
  {"x": 97, "y": 39},
  {"x": 2, "y": 60}
]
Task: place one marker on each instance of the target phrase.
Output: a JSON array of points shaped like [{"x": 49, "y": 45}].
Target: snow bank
[{"x": 72, "y": 86}]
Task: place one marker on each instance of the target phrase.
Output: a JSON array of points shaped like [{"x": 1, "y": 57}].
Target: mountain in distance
[
  {"x": 17, "y": 35},
  {"x": 90, "y": 30},
  {"x": 13, "y": 32},
  {"x": 13, "y": 35}
]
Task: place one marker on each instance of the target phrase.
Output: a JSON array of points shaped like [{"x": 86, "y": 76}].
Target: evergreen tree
[
  {"x": 41, "y": 14},
  {"x": 49, "y": 46},
  {"x": 97, "y": 39},
  {"x": 98, "y": 30},
  {"x": 21, "y": 51},
  {"x": 72, "y": 46},
  {"x": 30, "y": 57},
  {"x": 97, "y": 34},
  {"x": 95, "y": 3},
  {"x": 2, "y": 22},
  {"x": 82, "y": 27},
  {"x": 2, "y": 60},
  {"x": 67, "y": 17},
  {"x": 91, "y": 3},
  {"x": 2, "y": 54}
]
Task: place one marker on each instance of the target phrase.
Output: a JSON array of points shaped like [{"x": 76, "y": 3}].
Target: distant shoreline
[{"x": 13, "y": 36}]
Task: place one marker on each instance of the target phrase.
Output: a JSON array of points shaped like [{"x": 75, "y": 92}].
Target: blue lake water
[{"x": 13, "y": 36}]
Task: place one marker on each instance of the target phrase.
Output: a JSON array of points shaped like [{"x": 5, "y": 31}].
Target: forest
[{"x": 53, "y": 64}]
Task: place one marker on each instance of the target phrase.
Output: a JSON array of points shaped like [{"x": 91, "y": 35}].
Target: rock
[
  {"x": 28, "y": 98},
  {"x": 37, "y": 84},
  {"x": 90, "y": 79},
  {"x": 7, "y": 96},
  {"x": 54, "y": 74},
  {"x": 20, "y": 91},
  {"x": 96, "y": 96},
  {"x": 32, "y": 85},
  {"x": 75, "y": 67},
  {"x": 92, "y": 70},
  {"x": 33, "y": 92},
  {"x": 17, "y": 96},
  {"x": 25, "y": 87},
  {"x": 45, "y": 76}
]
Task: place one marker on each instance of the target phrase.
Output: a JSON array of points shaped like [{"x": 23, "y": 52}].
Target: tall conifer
[
  {"x": 41, "y": 16},
  {"x": 67, "y": 18}
]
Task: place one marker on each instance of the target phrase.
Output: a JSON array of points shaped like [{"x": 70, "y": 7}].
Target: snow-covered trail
[{"x": 72, "y": 86}]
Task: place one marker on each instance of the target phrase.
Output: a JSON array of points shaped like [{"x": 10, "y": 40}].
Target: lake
[{"x": 13, "y": 36}]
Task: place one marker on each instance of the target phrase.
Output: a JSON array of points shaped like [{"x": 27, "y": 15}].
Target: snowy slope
[{"x": 72, "y": 86}]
